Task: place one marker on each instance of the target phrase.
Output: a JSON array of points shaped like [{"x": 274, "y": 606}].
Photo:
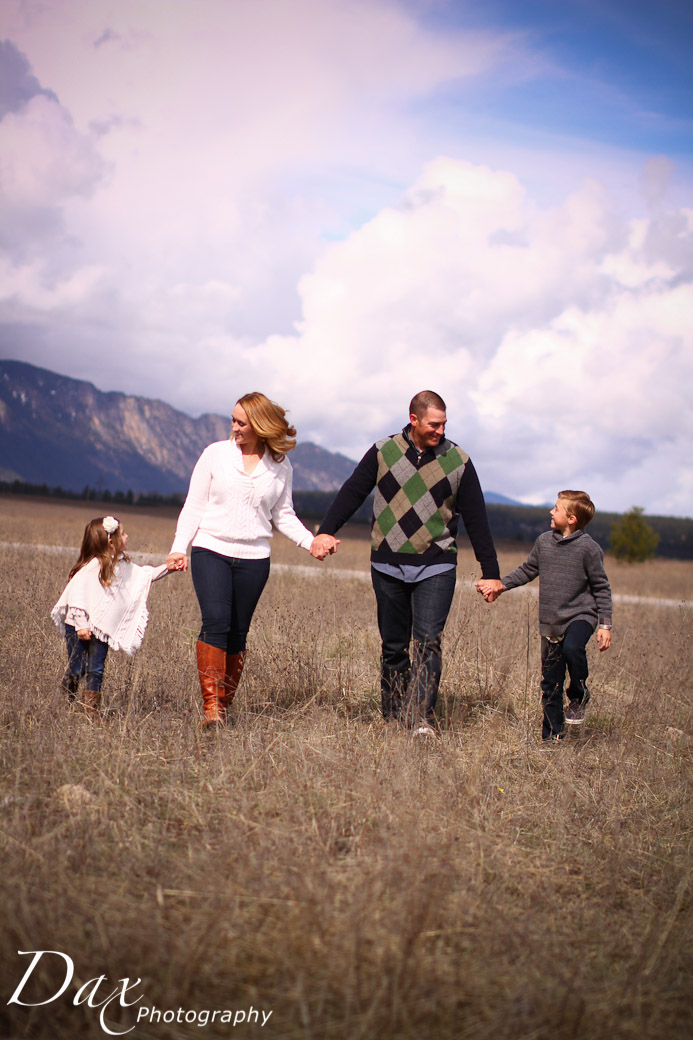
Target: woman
[{"x": 237, "y": 490}]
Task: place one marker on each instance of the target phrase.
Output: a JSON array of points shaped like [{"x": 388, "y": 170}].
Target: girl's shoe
[{"x": 70, "y": 685}]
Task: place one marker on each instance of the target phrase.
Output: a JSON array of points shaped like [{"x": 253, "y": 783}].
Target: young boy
[{"x": 574, "y": 599}]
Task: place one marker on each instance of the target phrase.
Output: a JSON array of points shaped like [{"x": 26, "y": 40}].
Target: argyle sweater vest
[{"x": 415, "y": 498}]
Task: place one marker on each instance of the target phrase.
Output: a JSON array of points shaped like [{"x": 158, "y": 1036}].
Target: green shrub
[{"x": 632, "y": 538}]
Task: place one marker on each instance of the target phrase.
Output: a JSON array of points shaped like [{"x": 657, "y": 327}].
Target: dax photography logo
[
  {"x": 101, "y": 996},
  {"x": 93, "y": 993}
]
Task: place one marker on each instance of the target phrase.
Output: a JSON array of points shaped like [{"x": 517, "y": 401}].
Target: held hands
[
  {"x": 490, "y": 588},
  {"x": 177, "y": 562},
  {"x": 603, "y": 638},
  {"x": 323, "y": 545}
]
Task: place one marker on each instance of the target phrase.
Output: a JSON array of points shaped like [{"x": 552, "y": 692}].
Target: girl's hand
[
  {"x": 84, "y": 633},
  {"x": 177, "y": 562}
]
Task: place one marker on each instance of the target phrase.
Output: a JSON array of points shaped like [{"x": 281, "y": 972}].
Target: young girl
[{"x": 104, "y": 604}]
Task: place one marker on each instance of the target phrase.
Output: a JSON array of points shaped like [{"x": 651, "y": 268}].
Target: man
[{"x": 423, "y": 484}]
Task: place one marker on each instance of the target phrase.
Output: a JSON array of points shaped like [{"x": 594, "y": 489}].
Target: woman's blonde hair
[
  {"x": 98, "y": 544},
  {"x": 269, "y": 423}
]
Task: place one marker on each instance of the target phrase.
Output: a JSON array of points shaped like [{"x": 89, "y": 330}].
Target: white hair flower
[{"x": 110, "y": 525}]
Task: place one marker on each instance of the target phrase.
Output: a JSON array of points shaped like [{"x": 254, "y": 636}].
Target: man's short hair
[
  {"x": 578, "y": 504},
  {"x": 425, "y": 399}
]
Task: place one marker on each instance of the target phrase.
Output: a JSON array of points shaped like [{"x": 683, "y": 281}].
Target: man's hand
[
  {"x": 490, "y": 588},
  {"x": 603, "y": 638},
  {"x": 323, "y": 545},
  {"x": 177, "y": 562}
]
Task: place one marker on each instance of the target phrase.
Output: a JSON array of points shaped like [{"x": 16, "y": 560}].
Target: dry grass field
[{"x": 353, "y": 882}]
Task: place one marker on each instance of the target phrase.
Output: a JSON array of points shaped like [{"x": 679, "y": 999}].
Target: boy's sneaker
[{"x": 575, "y": 713}]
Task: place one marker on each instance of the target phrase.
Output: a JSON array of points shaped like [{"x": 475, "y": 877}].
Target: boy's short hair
[{"x": 579, "y": 504}]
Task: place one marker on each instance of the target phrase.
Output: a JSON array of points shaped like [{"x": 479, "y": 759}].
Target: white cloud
[
  {"x": 45, "y": 163},
  {"x": 557, "y": 369}
]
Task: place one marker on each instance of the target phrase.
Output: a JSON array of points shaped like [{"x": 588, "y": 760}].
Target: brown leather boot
[
  {"x": 234, "y": 670},
  {"x": 211, "y": 665},
  {"x": 90, "y": 703}
]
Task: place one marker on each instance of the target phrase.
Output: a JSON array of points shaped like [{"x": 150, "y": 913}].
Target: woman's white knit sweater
[{"x": 231, "y": 512}]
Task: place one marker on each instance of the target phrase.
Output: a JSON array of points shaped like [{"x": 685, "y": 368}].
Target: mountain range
[{"x": 66, "y": 433}]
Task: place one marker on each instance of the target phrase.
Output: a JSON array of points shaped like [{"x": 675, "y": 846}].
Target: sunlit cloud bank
[
  {"x": 180, "y": 219},
  {"x": 561, "y": 340}
]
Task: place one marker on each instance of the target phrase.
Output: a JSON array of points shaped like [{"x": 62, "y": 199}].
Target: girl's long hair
[
  {"x": 269, "y": 422},
  {"x": 98, "y": 544}
]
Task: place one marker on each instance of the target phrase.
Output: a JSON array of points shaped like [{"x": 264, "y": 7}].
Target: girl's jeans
[
  {"x": 84, "y": 657},
  {"x": 556, "y": 656},
  {"x": 228, "y": 590}
]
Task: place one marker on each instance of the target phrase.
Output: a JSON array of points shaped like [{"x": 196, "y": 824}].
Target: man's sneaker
[
  {"x": 424, "y": 730},
  {"x": 575, "y": 713}
]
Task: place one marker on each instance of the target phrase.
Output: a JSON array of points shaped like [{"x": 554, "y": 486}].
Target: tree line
[{"x": 628, "y": 536}]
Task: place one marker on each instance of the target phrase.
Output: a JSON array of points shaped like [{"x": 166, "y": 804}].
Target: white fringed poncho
[{"x": 117, "y": 614}]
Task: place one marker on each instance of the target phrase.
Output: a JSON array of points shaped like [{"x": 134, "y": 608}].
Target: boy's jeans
[
  {"x": 556, "y": 656},
  {"x": 84, "y": 657}
]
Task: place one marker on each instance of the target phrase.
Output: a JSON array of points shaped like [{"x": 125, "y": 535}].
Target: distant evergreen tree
[{"x": 632, "y": 538}]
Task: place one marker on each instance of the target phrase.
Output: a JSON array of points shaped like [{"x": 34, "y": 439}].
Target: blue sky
[
  {"x": 342, "y": 201},
  {"x": 632, "y": 59}
]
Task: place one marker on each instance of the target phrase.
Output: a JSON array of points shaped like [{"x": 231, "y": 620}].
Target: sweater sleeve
[
  {"x": 352, "y": 494},
  {"x": 526, "y": 572},
  {"x": 284, "y": 516},
  {"x": 194, "y": 505},
  {"x": 599, "y": 584},
  {"x": 472, "y": 508},
  {"x": 77, "y": 617}
]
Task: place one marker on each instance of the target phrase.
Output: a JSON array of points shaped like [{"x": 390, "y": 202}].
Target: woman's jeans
[
  {"x": 409, "y": 685},
  {"x": 228, "y": 590},
  {"x": 84, "y": 657},
  {"x": 557, "y": 655}
]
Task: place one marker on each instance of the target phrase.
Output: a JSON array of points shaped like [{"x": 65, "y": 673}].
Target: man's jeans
[
  {"x": 84, "y": 657},
  {"x": 409, "y": 686},
  {"x": 569, "y": 653}
]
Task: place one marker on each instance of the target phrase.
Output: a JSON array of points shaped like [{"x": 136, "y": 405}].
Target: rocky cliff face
[{"x": 64, "y": 432}]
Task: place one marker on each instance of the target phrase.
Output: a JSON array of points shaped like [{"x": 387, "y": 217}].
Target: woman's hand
[
  {"x": 84, "y": 633},
  {"x": 177, "y": 562},
  {"x": 323, "y": 545}
]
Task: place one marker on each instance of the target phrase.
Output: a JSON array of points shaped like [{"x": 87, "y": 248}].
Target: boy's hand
[
  {"x": 603, "y": 638},
  {"x": 490, "y": 588}
]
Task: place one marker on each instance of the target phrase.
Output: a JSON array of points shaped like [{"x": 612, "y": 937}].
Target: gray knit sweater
[{"x": 573, "y": 585}]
